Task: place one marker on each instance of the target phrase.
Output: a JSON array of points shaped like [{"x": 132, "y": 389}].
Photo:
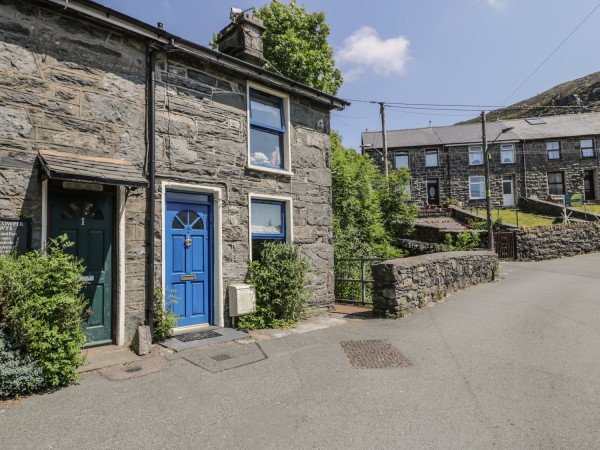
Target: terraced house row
[
  {"x": 543, "y": 157},
  {"x": 168, "y": 164}
]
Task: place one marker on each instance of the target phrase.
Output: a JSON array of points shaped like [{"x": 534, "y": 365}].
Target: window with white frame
[
  {"x": 587, "y": 148},
  {"x": 268, "y": 148},
  {"x": 507, "y": 154},
  {"x": 477, "y": 187},
  {"x": 431, "y": 157},
  {"x": 553, "y": 149},
  {"x": 267, "y": 223},
  {"x": 556, "y": 183},
  {"x": 401, "y": 160},
  {"x": 475, "y": 156}
]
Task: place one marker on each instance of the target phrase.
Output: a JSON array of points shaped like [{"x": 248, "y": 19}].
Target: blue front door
[{"x": 188, "y": 249}]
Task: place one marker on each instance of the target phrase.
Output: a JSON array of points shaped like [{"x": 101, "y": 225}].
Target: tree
[
  {"x": 295, "y": 45},
  {"x": 394, "y": 198},
  {"x": 358, "y": 220}
]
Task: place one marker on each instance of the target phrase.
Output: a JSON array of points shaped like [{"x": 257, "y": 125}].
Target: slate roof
[
  {"x": 567, "y": 125},
  {"x": 90, "y": 169}
]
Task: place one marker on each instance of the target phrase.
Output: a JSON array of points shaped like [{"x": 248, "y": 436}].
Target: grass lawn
[
  {"x": 510, "y": 216},
  {"x": 593, "y": 208}
]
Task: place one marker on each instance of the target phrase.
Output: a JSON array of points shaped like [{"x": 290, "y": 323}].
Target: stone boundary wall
[
  {"x": 464, "y": 216},
  {"x": 406, "y": 284},
  {"x": 556, "y": 241},
  {"x": 417, "y": 247},
  {"x": 537, "y": 206}
]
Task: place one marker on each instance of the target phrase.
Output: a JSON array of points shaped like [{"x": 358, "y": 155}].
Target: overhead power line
[{"x": 553, "y": 52}]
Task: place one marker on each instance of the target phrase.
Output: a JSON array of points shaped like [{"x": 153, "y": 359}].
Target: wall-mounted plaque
[{"x": 15, "y": 234}]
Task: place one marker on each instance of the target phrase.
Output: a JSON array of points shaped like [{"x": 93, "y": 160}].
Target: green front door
[{"x": 87, "y": 220}]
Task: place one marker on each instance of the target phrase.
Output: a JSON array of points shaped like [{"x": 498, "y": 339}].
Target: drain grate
[
  {"x": 198, "y": 336},
  {"x": 133, "y": 369},
  {"x": 374, "y": 354},
  {"x": 221, "y": 357}
]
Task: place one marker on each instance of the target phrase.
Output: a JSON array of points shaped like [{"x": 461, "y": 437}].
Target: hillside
[{"x": 583, "y": 92}]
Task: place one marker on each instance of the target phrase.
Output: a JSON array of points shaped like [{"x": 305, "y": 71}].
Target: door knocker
[{"x": 188, "y": 242}]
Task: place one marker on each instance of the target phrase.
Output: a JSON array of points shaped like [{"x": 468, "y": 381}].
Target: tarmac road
[{"x": 510, "y": 364}]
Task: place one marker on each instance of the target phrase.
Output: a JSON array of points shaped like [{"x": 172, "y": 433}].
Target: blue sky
[{"x": 474, "y": 52}]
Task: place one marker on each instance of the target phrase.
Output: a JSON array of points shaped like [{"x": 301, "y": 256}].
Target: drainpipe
[
  {"x": 151, "y": 168},
  {"x": 524, "y": 168},
  {"x": 448, "y": 171}
]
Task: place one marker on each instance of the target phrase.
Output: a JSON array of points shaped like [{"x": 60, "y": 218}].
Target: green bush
[
  {"x": 42, "y": 304},
  {"x": 465, "y": 241},
  {"x": 280, "y": 278},
  {"x": 20, "y": 373},
  {"x": 164, "y": 317}
]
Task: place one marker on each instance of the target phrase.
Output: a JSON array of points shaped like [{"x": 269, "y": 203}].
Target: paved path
[{"x": 510, "y": 364}]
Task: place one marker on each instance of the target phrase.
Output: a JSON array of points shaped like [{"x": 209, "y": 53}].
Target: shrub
[
  {"x": 42, "y": 304},
  {"x": 465, "y": 241},
  {"x": 280, "y": 278},
  {"x": 20, "y": 373},
  {"x": 164, "y": 317}
]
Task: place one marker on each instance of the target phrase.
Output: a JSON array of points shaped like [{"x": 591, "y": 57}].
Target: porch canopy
[{"x": 90, "y": 169}]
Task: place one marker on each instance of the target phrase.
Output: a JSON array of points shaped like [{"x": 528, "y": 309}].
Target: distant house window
[
  {"x": 267, "y": 223},
  {"x": 556, "y": 183},
  {"x": 507, "y": 154},
  {"x": 431, "y": 158},
  {"x": 587, "y": 148},
  {"x": 268, "y": 148},
  {"x": 401, "y": 160},
  {"x": 477, "y": 187},
  {"x": 475, "y": 156},
  {"x": 553, "y": 150}
]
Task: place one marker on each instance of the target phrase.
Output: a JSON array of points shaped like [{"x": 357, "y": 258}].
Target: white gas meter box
[{"x": 242, "y": 299}]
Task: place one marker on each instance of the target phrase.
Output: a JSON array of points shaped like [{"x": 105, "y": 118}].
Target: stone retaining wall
[
  {"x": 404, "y": 285},
  {"x": 537, "y": 206},
  {"x": 555, "y": 241}
]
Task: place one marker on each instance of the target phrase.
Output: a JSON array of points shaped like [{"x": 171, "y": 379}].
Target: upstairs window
[
  {"x": 553, "y": 150},
  {"x": 431, "y": 158},
  {"x": 507, "y": 154},
  {"x": 401, "y": 160},
  {"x": 475, "y": 156},
  {"x": 587, "y": 148},
  {"x": 268, "y": 143}
]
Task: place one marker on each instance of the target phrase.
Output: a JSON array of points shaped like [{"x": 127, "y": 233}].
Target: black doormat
[{"x": 198, "y": 336}]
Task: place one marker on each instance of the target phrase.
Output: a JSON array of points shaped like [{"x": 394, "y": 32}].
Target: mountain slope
[{"x": 582, "y": 93}]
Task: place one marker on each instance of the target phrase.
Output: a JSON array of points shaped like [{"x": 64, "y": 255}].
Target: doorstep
[
  {"x": 206, "y": 336},
  {"x": 106, "y": 356}
]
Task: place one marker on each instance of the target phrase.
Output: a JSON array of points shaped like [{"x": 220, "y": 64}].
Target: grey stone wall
[
  {"x": 74, "y": 86},
  {"x": 404, "y": 285},
  {"x": 202, "y": 137},
  {"x": 537, "y": 206},
  {"x": 556, "y": 241},
  {"x": 70, "y": 86},
  {"x": 454, "y": 171}
]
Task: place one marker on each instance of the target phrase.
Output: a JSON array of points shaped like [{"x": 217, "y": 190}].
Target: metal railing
[{"x": 348, "y": 287}]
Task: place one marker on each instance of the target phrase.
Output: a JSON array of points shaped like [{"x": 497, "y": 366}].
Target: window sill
[
  {"x": 269, "y": 170},
  {"x": 506, "y": 163}
]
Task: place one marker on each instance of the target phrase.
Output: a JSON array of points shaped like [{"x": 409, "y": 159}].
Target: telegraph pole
[
  {"x": 488, "y": 193},
  {"x": 384, "y": 136}
]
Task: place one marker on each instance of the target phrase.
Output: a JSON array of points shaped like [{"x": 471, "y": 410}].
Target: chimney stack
[{"x": 243, "y": 38}]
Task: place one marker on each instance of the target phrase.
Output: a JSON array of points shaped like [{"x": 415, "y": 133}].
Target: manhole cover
[
  {"x": 374, "y": 354},
  {"x": 221, "y": 357},
  {"x": 207, "y": 334}
]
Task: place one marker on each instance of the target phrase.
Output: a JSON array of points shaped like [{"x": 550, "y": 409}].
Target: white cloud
[
  {"x": 497, "y": 4},
  {"x": 365, "y": 50}
]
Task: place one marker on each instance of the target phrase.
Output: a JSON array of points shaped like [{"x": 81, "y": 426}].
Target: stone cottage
[
  {"x": 167, "y": 163},
  {"x": 544, "y": 157}
]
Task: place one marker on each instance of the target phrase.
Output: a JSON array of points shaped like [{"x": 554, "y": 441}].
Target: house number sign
[{"x": 15, "y": 234}]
